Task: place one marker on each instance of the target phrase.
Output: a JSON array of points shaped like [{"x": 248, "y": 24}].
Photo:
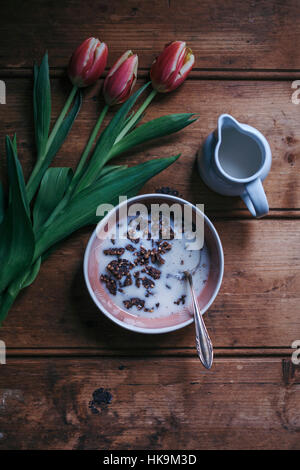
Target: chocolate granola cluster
[
  {"x": 135, "y": 301},
  {"x": 110, "y": 283},
  {"x": 122, "y": 273},
  {"x": 181, "y": 300},
  {"x": 114, "y": 251},
  {"x": 119, "y": 268}
]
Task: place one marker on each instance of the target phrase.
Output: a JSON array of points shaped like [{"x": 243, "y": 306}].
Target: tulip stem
[
  {"x": 90, "y": 142},
  {"x": 136, "y": 116},
  {"x": 61, "y": 117}
]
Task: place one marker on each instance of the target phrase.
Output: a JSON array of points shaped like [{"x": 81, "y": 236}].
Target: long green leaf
[
  {"x": 2, "y": 206},
  {"x": 8, "y": 298},
  {"x": 51, "y": 192},
  {"x": 81, "y": 210},
  {"x": 59, "y": 139},
  {"x": 30, "y": 275},
  {"x": 24, "y": 279},
  {"x": 16, "y": 233},
  {"x": 106, "y": 141},
  {"x": 110, "y": 169},
  {"x": 127, "y": 120},
  {"x": 65, "y": 128},
  {"x": 14, "y": 144},
  {"x": 41, "y": 105},
  {"x": 159, "y": 127}
]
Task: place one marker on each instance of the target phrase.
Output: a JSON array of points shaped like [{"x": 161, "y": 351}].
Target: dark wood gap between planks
[
  {"x": 196, "y": 74},
  {"x": 226, "y": 352},
  {"x": 243, "y": 214}
]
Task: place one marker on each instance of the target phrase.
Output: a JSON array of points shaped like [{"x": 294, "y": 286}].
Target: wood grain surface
[
  {"x": 258, "y": 305},
  {"x": 60, "y": 348},
  {"x": 266, "y": 105},
  {"x": 155, "y": 404},
  {"x": 259, "y": 34}
]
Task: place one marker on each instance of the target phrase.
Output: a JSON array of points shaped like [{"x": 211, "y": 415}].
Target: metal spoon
[{"x": 203, "y": 342}]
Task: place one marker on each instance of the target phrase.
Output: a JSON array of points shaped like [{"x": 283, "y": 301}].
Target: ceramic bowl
[{"x": 172, "y": 322}]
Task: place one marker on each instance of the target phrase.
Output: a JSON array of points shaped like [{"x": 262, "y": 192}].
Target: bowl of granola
[{"x": 133, "y": 258}]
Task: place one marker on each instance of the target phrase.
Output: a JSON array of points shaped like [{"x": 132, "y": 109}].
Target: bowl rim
[{"x": 139, "y": 329}]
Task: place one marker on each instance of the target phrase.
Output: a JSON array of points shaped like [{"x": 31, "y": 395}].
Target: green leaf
[
  {"x": 26, "y": 278},
  {"x": 41, "y": 105},
  {"x": 106, "y": 141},
  {"x": 16, "y": 234},
  {"x": 31, "y": 274},
  {"x": 81, "y": 210},
  {"x": 159, "y": 127},
  {"x": 58, "y": 140},
  {"x": 127, "y": 120},
  {"x": 7, "y": 299},
  {"x": 23, "y": 280},
  {"x": 2, "y": 206},
  {"x": 64, "y": 129},
  {"x": 110, "y": 169},
  {"x": 52, "y": 189},
  {"x": 14, "y": 143}
]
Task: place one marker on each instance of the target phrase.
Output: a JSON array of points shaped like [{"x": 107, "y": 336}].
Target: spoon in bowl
[{"x": 203, "y": 341}]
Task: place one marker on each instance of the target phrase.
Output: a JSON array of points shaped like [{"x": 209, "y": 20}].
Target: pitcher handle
[{"x": 255, "y": 198}]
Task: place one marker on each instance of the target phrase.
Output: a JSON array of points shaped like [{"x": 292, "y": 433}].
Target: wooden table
[{"x": 60, "y": 349}]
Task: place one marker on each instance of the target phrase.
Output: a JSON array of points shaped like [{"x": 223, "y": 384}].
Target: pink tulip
[
  {"x": 121, "y": 79},
  {"x": 171, "y": 67},
  {"x": 88, "y": 62}
]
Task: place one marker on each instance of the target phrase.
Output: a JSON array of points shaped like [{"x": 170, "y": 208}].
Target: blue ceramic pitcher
[{"x": 234, "y": 161}]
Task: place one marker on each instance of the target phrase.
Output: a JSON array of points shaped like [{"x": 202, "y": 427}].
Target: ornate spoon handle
[{"x": 203, "y": 342}]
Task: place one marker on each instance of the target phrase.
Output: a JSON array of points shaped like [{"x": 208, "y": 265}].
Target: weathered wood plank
[
  {"x": 264, "y": 104},
  {"x": 258, "y": 305},
  {"x": 165, "y": 403},
  {"x": 257, "y": 35}
]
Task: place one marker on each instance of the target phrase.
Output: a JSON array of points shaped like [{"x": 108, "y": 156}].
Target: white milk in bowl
[{"x": 142, "y": 275}]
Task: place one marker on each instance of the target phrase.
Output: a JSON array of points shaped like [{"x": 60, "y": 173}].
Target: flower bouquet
[{"x": 56, "y": 201}]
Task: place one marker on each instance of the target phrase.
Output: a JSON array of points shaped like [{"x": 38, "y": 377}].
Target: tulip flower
[
  {"x": 117, "y": 88},
  {"x": 121, "y": 79},
  {"x": 171, "y": 67},
  {"x": 88, "y": 62}
]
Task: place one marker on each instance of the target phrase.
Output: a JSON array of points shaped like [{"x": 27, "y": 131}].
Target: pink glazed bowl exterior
[{"x": 163, "y": 324}]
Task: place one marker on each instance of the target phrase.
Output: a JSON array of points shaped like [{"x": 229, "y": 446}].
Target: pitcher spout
[
  {"x": 226, "y": 121},
  {"x": 233, "y": 136}
]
